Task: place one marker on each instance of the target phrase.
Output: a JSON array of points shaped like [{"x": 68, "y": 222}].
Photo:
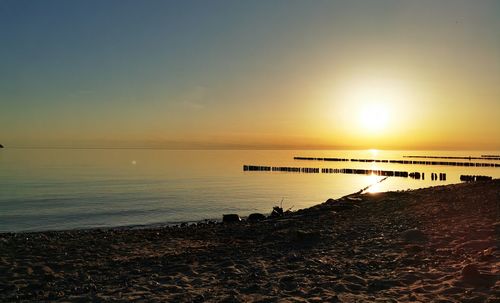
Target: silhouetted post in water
[
  {"x": 415, "y": 175},
  {"x": 469, "y": 178}
]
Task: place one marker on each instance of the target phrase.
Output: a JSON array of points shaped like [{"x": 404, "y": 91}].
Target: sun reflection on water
[{"x": 373, "y": 181}]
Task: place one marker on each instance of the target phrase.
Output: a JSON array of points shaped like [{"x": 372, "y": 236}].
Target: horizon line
[{"x": 230, "y": 148}]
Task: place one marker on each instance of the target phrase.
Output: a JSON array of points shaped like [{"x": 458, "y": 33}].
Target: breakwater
[
  {"x": 351, "y": 171},
  {"x": 483, "y": 157},
  {"x": 409, "y": 162},
  {"x": 354, "y": 171},
  {"x": 307, "y": 170},
  {"x": 472, "y": 178}
]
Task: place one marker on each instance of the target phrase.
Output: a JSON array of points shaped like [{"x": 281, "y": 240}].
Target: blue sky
[{"x": 240, "y": 73}]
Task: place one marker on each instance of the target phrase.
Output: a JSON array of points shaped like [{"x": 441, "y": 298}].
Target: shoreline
[
  {"x": 217, "y": 220},
  {"x": 430, "y": 244}
]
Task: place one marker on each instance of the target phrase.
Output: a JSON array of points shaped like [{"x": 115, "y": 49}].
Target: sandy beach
[{"x": 439, "y": 244}]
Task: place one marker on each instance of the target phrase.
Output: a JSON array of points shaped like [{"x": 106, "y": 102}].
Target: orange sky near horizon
[{"x": 385, "y": 75}]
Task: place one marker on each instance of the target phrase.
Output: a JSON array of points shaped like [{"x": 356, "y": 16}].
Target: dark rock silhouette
[
  {"x": 231, "y": 218},
  {"x": 1, "y": 146},
  {"x": 256, "y": 217}
]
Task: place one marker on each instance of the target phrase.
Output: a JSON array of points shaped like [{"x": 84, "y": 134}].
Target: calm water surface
[{"x": 50, "y": 189}]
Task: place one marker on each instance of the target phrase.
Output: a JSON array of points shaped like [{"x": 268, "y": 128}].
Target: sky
[{"x": 250, "y": 74}]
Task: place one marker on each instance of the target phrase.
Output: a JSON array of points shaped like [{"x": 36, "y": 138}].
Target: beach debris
[
  {"x": 344, "y": 203},
  {"x": 355, "y": 199},
  {"x": 414, "y": 236},
  {"x": 277, "y": 212},
  {"x": 256, "y": 217},
  {"x": 231, "y": 218}
]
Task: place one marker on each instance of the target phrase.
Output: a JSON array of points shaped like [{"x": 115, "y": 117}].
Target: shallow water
[{"x": 50, "y": 189}]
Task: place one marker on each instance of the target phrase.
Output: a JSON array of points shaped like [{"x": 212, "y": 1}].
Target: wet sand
[{"x": 439, "y": 244}]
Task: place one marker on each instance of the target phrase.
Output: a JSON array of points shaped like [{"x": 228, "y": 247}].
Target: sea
[{"x": 61, "y": 189}]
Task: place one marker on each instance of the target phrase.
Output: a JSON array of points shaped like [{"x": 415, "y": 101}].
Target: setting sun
[
  {"x": 377, "y": 104},
  {"x": 374, "y": 118}
]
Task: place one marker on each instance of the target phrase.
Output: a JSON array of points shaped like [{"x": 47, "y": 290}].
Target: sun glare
[
  {"x": 373, "y": 117},
  {"x": 375, "y": 187},
  {"x": 373, "y": 103}
]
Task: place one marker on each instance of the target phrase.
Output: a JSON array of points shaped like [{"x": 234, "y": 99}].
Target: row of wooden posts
[
  {"x": 387, "y": 173},
  {"x": 483, "y": 157},
  {"x": 403, "y": 162},
  {"x": 310, "y": 170},
  {"x": 472, "y": 178}
]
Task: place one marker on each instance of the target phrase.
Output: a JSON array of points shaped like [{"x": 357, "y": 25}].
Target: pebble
[{"x": 470, "y": 272}]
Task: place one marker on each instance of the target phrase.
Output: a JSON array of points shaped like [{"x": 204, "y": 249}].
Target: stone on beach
[
  {"x": 470, "y": 272},
  {"x": 231, "y": 218},
  {"x": 256, "y": 217},
  {"x": 472, "y": 275}
]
